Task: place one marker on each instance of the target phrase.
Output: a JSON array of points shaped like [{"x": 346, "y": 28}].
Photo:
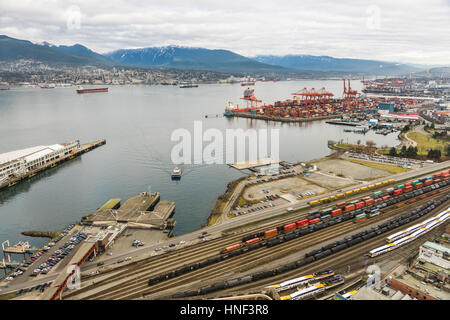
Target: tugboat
[{"x": 176, "y": 173}]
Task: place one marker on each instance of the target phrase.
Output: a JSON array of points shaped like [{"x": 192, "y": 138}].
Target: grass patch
[
  {"x": 8, "y": 296},
  {"x": 424, "y": 142},
  {"x": 382, "y": 166}
]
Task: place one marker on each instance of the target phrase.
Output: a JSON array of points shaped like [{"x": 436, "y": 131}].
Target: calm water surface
[{"x": 137, "y": 123}]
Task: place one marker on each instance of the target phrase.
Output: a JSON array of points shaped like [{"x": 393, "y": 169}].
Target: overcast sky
[{"x": 394, "y": 30}]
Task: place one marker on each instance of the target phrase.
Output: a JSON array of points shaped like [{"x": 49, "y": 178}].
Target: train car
[
  {"x": 369, "y": 202},
  {"x": 302, "y": 223},
  {"x": 359, "y": 204},
  {"x": 385, "y": 182},
  {"x": 401, "y": 186},
  {"x": 376, "y": 194},
  {"x": 348, "y": 193},
  {"x": 398, "y": 192},
  {"x": 324, "y": 200},
  {"x": 408, "y": 184},
  {"x": 314, "y": 213},
  {"x": 326, "y": 211},
  {"x": 314, "y": 203},
  {"x": 363, "y": 188},
  {"x": 314, "y": 220},
  {"x": 415, "y": 182},
  {"x": 349, "y": 208},
  {"x": 305, "y": 292},
  {"x": 292, "y": 283},
  {"x": 385, "y": 197},
  {"x": 340, "y": 195},
  {"x": 341, "y": 204},
  {"x": 408, "y": 189},
  {"x": 334, "y": 282},
  {"x": 325, "y": 217},
  {"x": 437, "y": 175},
  {"x": 378, "y": 184},
  {"x": 270, "y": 233},
  {"x": 428, "y": 182},
  {"x": 232, "y": 248},
  {"x": 356, "y": 190},
  {"x": 371, "y": 186},
  {"x": 360, "y": 217},
  {"x": 418, "y": 185},
  {"x": 374, "y": 212},
  {"x": 336, "y": 212},
  {"x": 391, "y": 180},
  {"x": 252, "y": 241},
  {"x": 323, "y": 274},
  {"x": 290, "y": 227},
  {"x": 380, "y": 250}
]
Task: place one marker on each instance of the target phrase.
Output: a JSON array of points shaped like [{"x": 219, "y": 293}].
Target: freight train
[{"x": 358, "y": 210}]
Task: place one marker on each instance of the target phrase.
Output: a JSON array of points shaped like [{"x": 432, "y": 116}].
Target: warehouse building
[{"x": 20, "y": 162}]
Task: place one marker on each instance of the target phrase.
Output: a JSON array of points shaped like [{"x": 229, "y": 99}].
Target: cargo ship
[
  {"x": 189, "y": 86},
  {"x": 82, "y": 90},
  {"x": 247, "y": 84}
]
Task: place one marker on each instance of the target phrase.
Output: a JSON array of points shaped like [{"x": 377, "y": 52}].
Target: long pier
[{"x": 10, "y": 182}]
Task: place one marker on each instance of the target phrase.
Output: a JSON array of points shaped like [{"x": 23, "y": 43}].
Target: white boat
[{"x": 176, "y": 173}]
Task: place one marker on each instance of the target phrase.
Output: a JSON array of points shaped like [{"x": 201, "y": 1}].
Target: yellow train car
[
  {"x": 332, "y": 198},
  {"x": 356, "y": 190},
  {"x": 364, "y": 189},
  {"x": 391, "y": 180},
  {"x": 378, "y": 184},
  {"x": 348, "y": 193},
  {"x": 313, "y": 203},
  {"x": 385, "y": 182},
  {"x": 370, "y": 186},
  {"x": 340, "y": 195},
  {"x": 324, "y": 200}
]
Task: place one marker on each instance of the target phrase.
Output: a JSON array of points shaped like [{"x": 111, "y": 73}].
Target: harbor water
[{"x": 137, "y": 123}]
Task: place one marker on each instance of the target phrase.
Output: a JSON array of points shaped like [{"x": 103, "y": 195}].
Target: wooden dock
[{"x": 52, "y": 164}]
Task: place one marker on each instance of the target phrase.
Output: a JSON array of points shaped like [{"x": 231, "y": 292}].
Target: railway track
[
  {"x": 353, "y": 256},
  {"x": 136, "y": 286}
]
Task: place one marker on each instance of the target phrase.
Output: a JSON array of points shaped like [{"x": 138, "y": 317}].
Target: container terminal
[
  {"x": 18, "y": 165},
  {"x": 312, "y": 104}
]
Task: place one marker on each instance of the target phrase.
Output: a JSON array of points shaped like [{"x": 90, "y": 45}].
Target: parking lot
[{"x": 48, "y": 259}]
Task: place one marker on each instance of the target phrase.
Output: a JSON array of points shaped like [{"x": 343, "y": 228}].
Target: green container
[
  {"x": 416, "y": 182},
  {"x": 401, "y": 186},
  {"x": 375, "y": 194},
  {"x": 359, "y": 216}
]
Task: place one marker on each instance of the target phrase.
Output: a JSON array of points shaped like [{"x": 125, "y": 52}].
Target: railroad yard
[{"x": 197, "y": 270}]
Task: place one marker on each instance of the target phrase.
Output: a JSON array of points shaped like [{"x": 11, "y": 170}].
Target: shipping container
[
  {"x": 270, "y": 233},
  {"x": 401, "y": 186},
  {"x": 418, "y": 185},
  {"x": 359, "y": 204},
  {"x": 290, "y": 226},
  {"x": 349, "y": 208},
  {"x": 376, "y": 194},
  {"x": 251, "y": 241},
  {"x": 336, "y": 212},
  {"x": 369, "y": 202},
  {"x": 428, "y": 182},
  {"x": 233, "y": 247},
  {"x": 415, "y": 182},
  {"x": 408, "y": 189},
  {"x": 408, "y": 184},
  {"x": 360, "y": 219},
  {"x": 302, "y": 223},
  {"x": 314, "y": 221}
]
